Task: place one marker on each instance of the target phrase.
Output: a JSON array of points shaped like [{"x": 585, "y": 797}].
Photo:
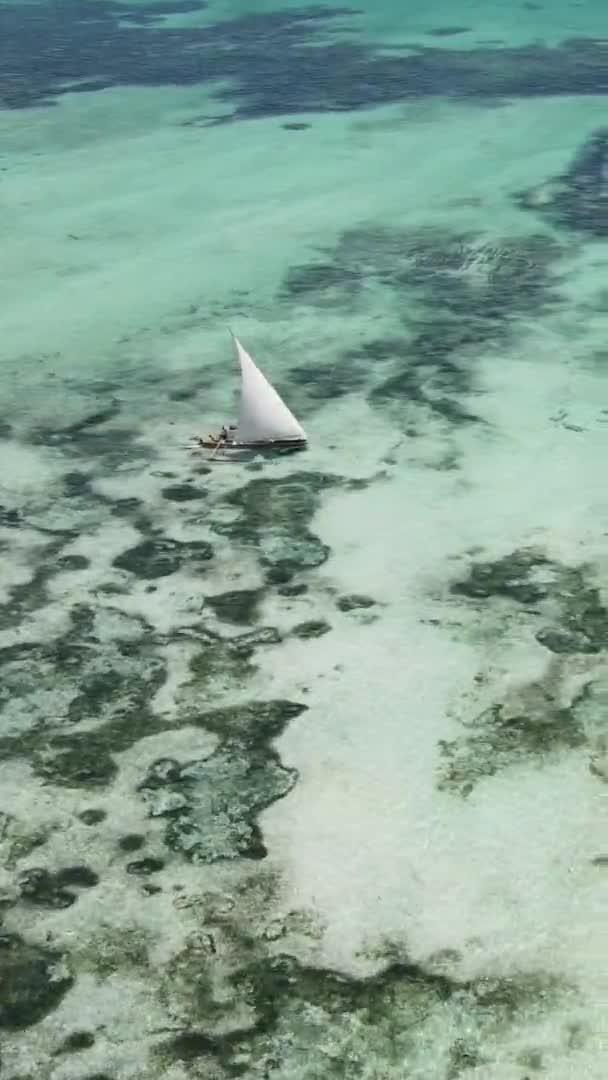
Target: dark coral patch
[
  {"x": 448, "y": 31},
  {"x": 72, "y": 562},
  {"x": 92, "y": 816},
  {"x": 578, "y": 198},
  {"x": 584, "y": 623},
  {"x": 512, "y": 576},
  {"x": 268, "y": 64},
  {"x": 39, "y": 886},
  {"x": 131, "y": 842},
  {"x": 579, "y": 619},
  {"x": 383, "y": 1016},
  {"x": 212, "y": 815},
  {"x": 80, "y": 876},
  {"x": 244, "y": 644},
  {"x": 466, "y": 291},
  {"x": 252, "y": 724},
  {"x": 160, "y": 556},
  {"x": 32, "y": 981},
  {"x": 313, "y": 628},
  {"x": 78, "y": 762},
  {"x": 143, "y": 867},
  {"x": 354, "y": 602},
  {"x": 112, "y": 683},
  {"x": 500, "y": 737},
  {"x": 9, "y": 518},
  {"x": 239, "y": 606},
  {"x": 211, "y": 805},
  {"x": 274, "y": 516},
  {"x": 77, "y": 1041},
  {"x": 539, "y": 718},
  {"x": 293, "y": 590},
  {"x": 183, "y": 493}
]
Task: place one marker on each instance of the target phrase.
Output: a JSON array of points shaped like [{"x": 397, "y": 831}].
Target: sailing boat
[{"x": 264, "y": 421}]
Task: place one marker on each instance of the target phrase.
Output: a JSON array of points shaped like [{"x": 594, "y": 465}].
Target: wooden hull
[{"x": 283, "y": 445}]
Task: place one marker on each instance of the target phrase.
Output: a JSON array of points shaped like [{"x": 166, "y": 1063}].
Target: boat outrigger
[{"x": 265, "y": 422}]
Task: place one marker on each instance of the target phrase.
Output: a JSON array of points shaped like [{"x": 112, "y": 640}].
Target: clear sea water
[{"x": 303, "y": 759}]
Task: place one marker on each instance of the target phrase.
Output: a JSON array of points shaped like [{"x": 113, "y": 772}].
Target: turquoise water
[{"x": 303, "y": 759}]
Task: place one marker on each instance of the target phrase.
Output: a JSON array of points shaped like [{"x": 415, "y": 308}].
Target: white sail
[{"x": 263, "y": 416}]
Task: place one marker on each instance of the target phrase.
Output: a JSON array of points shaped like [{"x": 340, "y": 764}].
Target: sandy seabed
[{"x": 302, "y": 761}]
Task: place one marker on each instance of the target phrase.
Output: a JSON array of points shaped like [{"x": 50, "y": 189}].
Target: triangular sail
[{"x": 263, "y": 416}]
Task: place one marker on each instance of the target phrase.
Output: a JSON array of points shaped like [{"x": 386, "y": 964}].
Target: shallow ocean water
[{"x": 303, "y": 761}]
